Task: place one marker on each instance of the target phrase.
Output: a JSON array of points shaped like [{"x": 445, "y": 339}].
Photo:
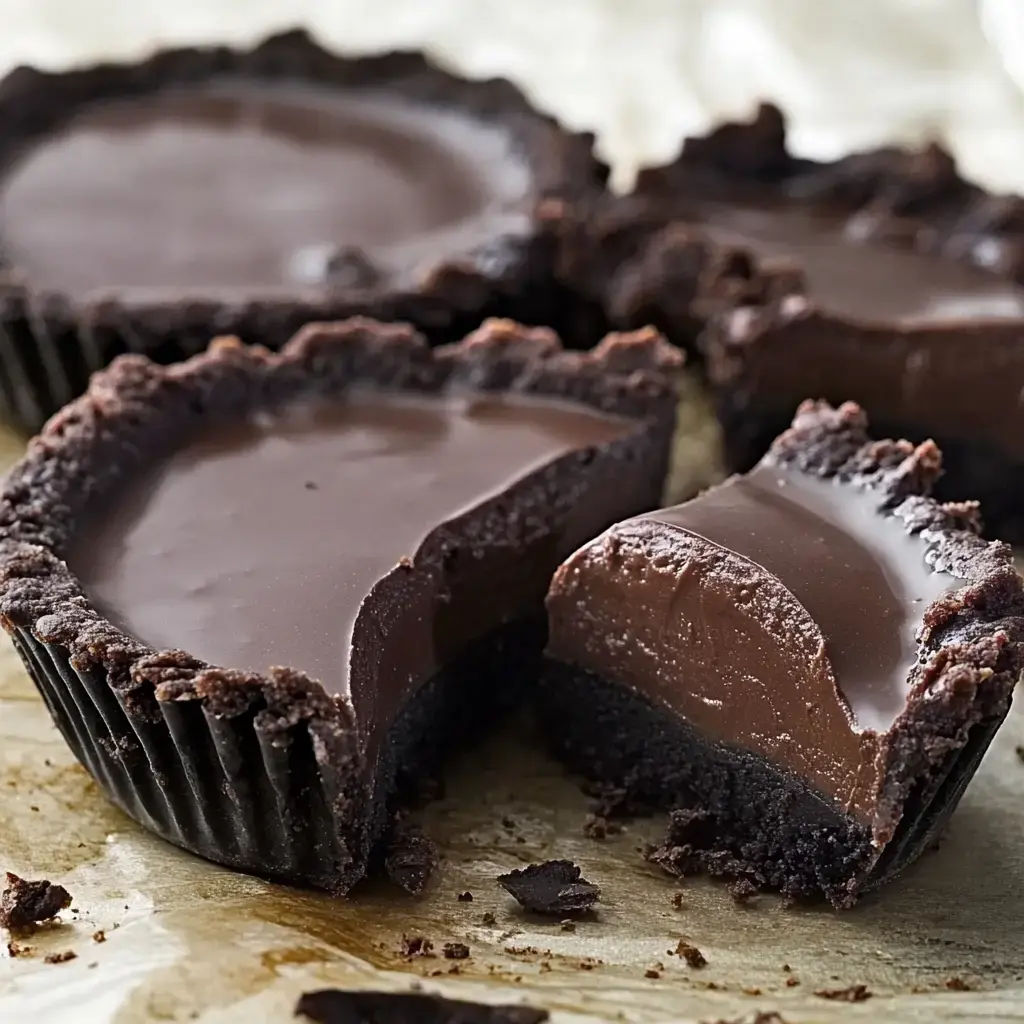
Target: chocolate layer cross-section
[
  {"x": 256, "y": 191},
  {"x": 809, "y": 659},
  {"x": 263, "y": 593},
  {"x": 906, "y": 295}
]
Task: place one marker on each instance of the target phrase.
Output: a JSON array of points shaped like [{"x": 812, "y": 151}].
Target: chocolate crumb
[
  {"x": 553, "y": 887},
  {"x": 677, "y": 900},
  {"x": 743, "y": 890},
  {"x": 465, "y": 897},
  {"x": 334, "y": 1006},
  {"x": 957, "y": 984},
  {"x": 792, "y": 982},
  {"x": 99, "y": 935},
  {"x": 60, "y": 958},
  {"x": 651, "y": 972},
  {"x": 1020, "y": 752},
  {"x": 690, "y": 953},
  {"x": 410, "y": 856},
  {"x": 508, "y": 823},
  {"x": 23, "y": 903},
  {"x": 850, "y": 994},
  {"x": 15, "y": 949},
  {"x": 416, "y": 945},
  {"x": 455, "y": 951},
  {"x": 488, "y": 919},
  {"x": 568, "y": 925},
  {"x": 787, "y": 968},
  {"x": 311, "y": 485}
]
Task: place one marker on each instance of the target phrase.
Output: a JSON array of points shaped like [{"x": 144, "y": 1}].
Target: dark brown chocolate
[
  {"x": 24, "y": 903},
  {"x": 362, "y": 485},
  {"x": 817, "y": 615},
  {"x": 259, "y": 190},
  {"x": 447, "y": 484},
  {"x": 238, "y": 188},
  {"x": 905, "y": 294},
  {"x": 335, "y": 1006},
  {"x": 553, "y": 887}
]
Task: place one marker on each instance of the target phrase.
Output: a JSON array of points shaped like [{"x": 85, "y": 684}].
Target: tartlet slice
[{"x": 807, "y": 661}]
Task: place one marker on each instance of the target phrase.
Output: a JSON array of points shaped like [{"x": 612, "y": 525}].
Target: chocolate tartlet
[
  {"x": 809, "y": 660},
  {"x": 261, "y": 591},
  {"x": 905, "y": 295},
  {"x": 257, "y": 191}
]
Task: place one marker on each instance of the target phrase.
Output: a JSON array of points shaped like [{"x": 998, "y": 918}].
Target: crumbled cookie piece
[
  {"x": 850, "y": 994},
  {"x": 60, "y": 958},
  {"x": 416, "y": 945},
  {"x": 957, "y": 984},
  {"x": 24, "y": 903},
  {"x": 743, "y": 890},
  {"x": 690, "y": 953},
  {"x": 455, "y": 951},
  {"x": 553, "y": 887}
]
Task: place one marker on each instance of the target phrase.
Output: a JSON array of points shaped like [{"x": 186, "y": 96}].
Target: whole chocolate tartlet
[
  {"x": 894, "y": 283},
  {"x": 256, "y": 191},
  {"x": 808, "y": 660},
  {"x": 262, "y": 594}
]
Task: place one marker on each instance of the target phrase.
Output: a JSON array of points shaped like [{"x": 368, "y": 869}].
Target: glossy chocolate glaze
[
  {"x": 242, "y": 185},
  {"x": 777, "y": 612},
  {"x": 256, "y": 545},
  {"x": 852, "y": 274}
]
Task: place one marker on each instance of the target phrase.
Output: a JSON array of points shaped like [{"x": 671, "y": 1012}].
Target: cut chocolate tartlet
[
  {"x": 263, "y": 593},
  {"x": 809, "y": 660},
  {"x": 253, "y": 192},
  {"x": 895, "y": 283}
]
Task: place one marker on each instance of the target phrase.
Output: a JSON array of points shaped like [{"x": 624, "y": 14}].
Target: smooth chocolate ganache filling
[
  {"x": 855, "y": 275},
  {"x": 241, "y": 186},
  {"x": 776, "y": 611},
  {"x": 258, "y": 544},
  {"x": 783, "y": 657}
]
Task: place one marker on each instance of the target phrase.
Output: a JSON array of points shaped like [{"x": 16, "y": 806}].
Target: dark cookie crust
[
  {"x": 49, "y": 345},
  {"x": 915, "y": 199},
  {"x": 268, "y": 773},
  {"x": 630, "y": 261},
  {"x": 744, "y": 819},
  {"x": 768, "y": 351}
]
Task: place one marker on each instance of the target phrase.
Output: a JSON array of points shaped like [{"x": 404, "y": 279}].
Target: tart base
[{"x": 737, "y": 816}]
